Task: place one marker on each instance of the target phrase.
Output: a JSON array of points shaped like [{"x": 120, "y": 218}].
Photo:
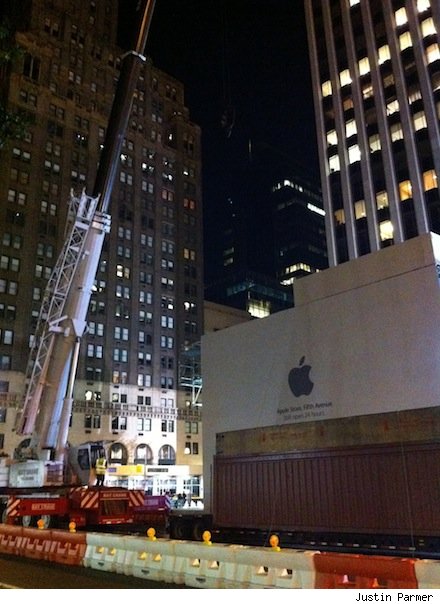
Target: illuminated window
[
  {"x": 386, "y": 230},
  {"x": 359, "y": 209},
  {"x": 400, "y": 16},
  {"x": 423, "y": 5},
  {"x": 354, "y": 154},
  {"x": 393, "y": 107},
  {"x": 326, "y": 88},
  {"x": 350, "y": 128},
  {"x": 332, "y": 138},
  {"x": 429, "y": 180},
  {"x": 339, "y": 217},
  {"x": 420, "y": 120},
  {"x": 367, "y": 91},
  {"x": 414, "y": 96},
  {"x": 381, "y": 200},
  {"x": 384, "y": 54},
  {"x": 258, "y": 308},
  {"x": 334, "y": 164},
  {"x": 405, "y": 41},
  {"x": 364, "y": 66},
  {"x": 405, "y": 190},
  {"x": 374, "y": 142},
  {"x": 344, "y": 77},
  {"x": 396, "y": 132},
  {"x": 428, "y": 27},
  {"x": 432, "y": 53}
]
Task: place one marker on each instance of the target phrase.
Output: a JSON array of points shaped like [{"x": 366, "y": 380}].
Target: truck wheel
[
  {"x": 48, "y": 521},
  {"x": 179, "y": 530},
  {"x": 27, "y": 521},
  {"x": 198, "y": 529}
]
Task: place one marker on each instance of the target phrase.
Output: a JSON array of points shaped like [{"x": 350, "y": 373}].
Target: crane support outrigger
[{"x": 62, "y": 320}]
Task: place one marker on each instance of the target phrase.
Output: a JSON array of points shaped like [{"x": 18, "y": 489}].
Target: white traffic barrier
[
  {"x": 208, "y": 566},
  {"x": 149, "y": 559},
  {"x": 263, "y": 567},
  {"x": 295, "y": 569},
  {"x": 104, "y": 552},
  {"x": 427, "y": 574}
]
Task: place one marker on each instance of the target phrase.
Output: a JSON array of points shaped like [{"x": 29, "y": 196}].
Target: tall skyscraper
[
  {"x": 147, "y": 307},
  {"x": 376, "y": 80}
]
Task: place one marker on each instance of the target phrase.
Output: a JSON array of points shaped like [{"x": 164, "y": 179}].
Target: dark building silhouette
[{"x": 272, "y": 233}]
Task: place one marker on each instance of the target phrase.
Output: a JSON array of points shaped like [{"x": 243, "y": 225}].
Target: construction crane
[{"x": 62, "y": 319}]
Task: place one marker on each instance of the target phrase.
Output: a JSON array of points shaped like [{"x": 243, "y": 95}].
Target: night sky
[{"x": 248, "y": 55}]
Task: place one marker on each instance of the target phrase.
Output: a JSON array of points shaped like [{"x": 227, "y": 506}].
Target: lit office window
[
  {"x": 414, "y": 96},
  {"x": 354, "y": 154},
  {"x": 396, "y": 132},
  {"x": 364, "y": 66},
  {"x": 326, "y": 88},
  {"x": 339, "y": 217},
  {"x": 432, "y": 53},
  {"x": 429, "y": 180},
  {"x": 405, "y": 41},
  {"x": 359, "y": 209},
  {"x": 392, "y": 107},
  {"x": 384, "y": 54},
  {"x": 332, "y": 138},
  {"x": 374, "y": 142},
  {"x": 344, "y": 77},
  {"x": 350, "y": 128},
  {"x": 423, "y": 5},
  {"x": 334, "y": 163},
  {"x": 386, "y": 230},
  {"x": 405, "y": 190},
  {"x": 367, "y": 91},
  {"x": 420, "y": 120},
  {"x": 401, "y": 17},
  {"x": 428, "y": 27},
  {"x": 381, "y": 200}
]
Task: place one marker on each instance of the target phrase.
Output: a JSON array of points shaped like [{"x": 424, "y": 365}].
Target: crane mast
[{"x": 62, "y": 320}]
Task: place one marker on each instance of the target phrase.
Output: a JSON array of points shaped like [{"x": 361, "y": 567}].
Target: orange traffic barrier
[
  {"x": 36, "y": 543},
  {"x": 351, "y": 571},
  {"x": 11, "y": 538},
  {"x": 68, "y": 547}
]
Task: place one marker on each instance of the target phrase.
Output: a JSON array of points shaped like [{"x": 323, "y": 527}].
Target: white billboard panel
[{"x": 364, "y": 338}]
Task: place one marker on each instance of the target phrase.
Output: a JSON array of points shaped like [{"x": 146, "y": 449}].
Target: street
[{"x": 24, "y": 573}]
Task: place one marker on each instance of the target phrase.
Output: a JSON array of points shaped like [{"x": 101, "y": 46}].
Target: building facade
[
  {"x": 376, "y": 81},
  {"x": 147, "y": 306},
  {"x": 299, "y": 229}
]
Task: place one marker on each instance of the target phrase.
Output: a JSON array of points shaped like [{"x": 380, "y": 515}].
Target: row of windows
[
  {"x": 432, "y": 52},
  {"x": 405, "y": 192}
]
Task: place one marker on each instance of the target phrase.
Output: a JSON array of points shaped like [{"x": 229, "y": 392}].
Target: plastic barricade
[
  {"x": 351, "y": 571},
  {"x": 67, "y": 548},
  {"x": 206, "y": 566},
  {"x": 428, "y": 574},
  {"x": 11, "y": 538},
  {"x": 36, "y": 543},
  {"x": 295, "y": 569},
  {"x": 256, "y": 568},
  {"x": 102, "y": 551},
  {"x": 150, "y": 559}
]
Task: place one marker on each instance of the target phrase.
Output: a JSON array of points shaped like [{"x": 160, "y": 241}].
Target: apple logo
[{"x": 299, "y": 380}]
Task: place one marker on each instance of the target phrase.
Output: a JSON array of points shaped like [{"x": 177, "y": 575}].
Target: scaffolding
[{"x": 190, "y": 374}]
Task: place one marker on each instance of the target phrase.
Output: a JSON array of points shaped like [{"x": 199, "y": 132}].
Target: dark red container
[{"x": 378, "y": 489}]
